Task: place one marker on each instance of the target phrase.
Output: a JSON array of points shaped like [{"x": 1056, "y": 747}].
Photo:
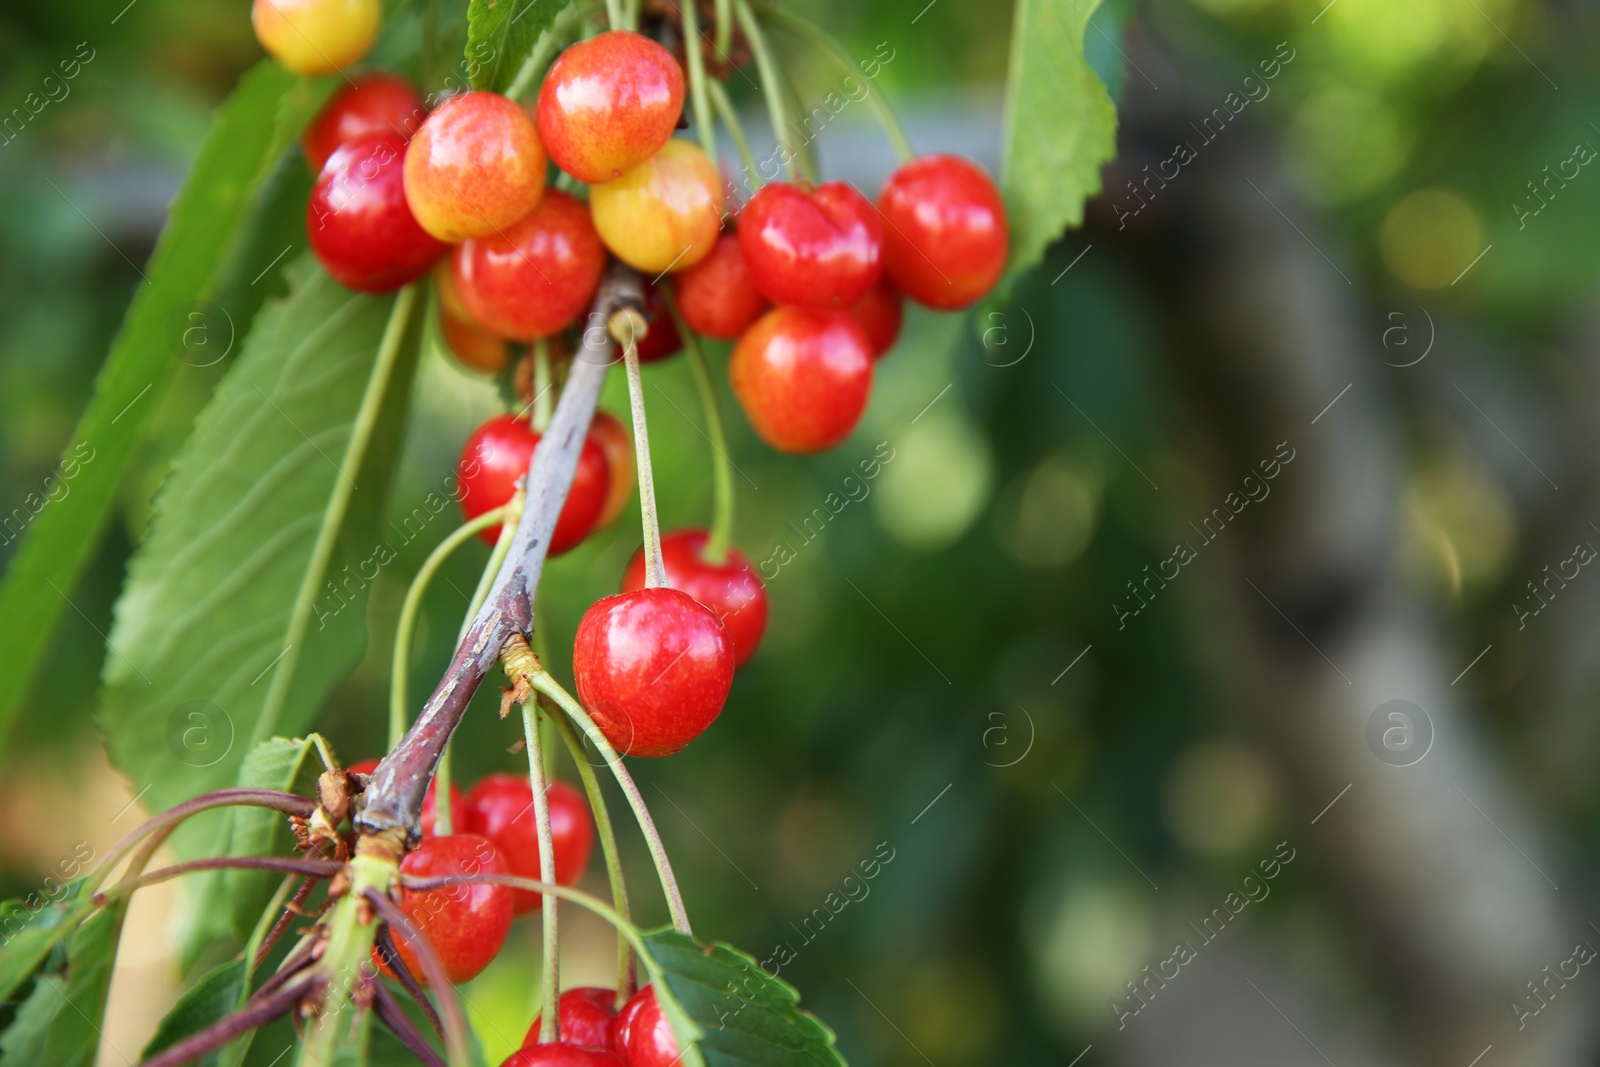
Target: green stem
[
  {"x": 400, "y": 668},
  {"x": 655, "y": 572},
  {"x": 807, "y": 159},
  {"x": 724, "y": 27},
  {"x": 269, "y": 918},
  {"x": 697, "y": 78},
  {"x": 823, "y": 40},
  {"x": 716, "y": 549},
  {"x": 771, "y": 86},
  {"x": 547, "y": 872},
  {"x": 347, "y": 956},
  {"x": 543, "y": 386},
  {"x": 608, "y": 847},
  {"x": 730, "y": 119},
  {"x": 545, "y": 683},
  {"x": 615, "y": 16}
]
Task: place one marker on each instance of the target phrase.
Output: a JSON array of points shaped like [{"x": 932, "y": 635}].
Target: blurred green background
[{"x": 1066, "y": 792}]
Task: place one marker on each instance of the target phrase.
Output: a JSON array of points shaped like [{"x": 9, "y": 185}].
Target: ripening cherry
[
  {"x": 465, "y": 924},
  {"x": 717, "y": 296},
  {"x": 946, "y": 241},
  {"x": 376, "y": 103},
  {"x": 616, "y": 441},
  {"x": 802, "y": 377},
  {"x": 471, "y": 344},
  {"x": 730, "y": 588},
  {"x": 821, "y": 249},
  {"x": 653, "y": 668},
  {"x": 315, "y": 36},
  {"x": 561, "y": 1054},
  {"x": 475, "y": 167},
  {"x": 880, "y": 314},
  {"x": 428, "y": 815},
  {"x": 641, "y": 1035},
  {"x": 536, "y": 275},
  {"x": 586, "y": 1016},
  {"x": 358, "y": 222},
  {"x": 663, "y": 214},
  {"x": 500, "y": 807},
  {"x": 608, "y": 104},
  {"x": 661, "y": 339},
  {"x": 499, "y": 453}
]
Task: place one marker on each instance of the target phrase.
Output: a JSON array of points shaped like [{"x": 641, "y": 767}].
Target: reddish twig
[
  {"x": 390, "y": 954},
  {"x": 390, "y": 1014},
  {"x": 302, "y": 957},
  {"x": 454, "y": 1022},
  {"x": 309, "y": 868},
  {"x": 290, "y": 910},
  {"x": 255, "y": 1014}
]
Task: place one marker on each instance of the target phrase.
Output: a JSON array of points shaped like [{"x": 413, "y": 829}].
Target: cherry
[
  {"x": 475, "y": 167},
  {"x": 586, "y": 1016},
  {"x": 608, "y": 104},
  {"x": 642, "y": 1036},
  {"x": 653, "y": 668},
  {"x": 717, "y": 296},
  {"x": 372, "y": 104},
  {"x": 821, "y": 249},
  {"x": 358, "y": 223},
  {"x": 560, "y": 1054},
  {"x": 425, "y": 820},
  {"x": 500, "y": 807},
  {"x": 802, "y": 377},
  {"x": 465, "y": 924},
  {"x": 661, "y": 339},
  {"x": 471, "y": 344},
  {"x": 663, "y": 214},
  {"x": 880, "y": 314},
  {"x": 499, "y": 453},
  {"x": 536, "y": 275},
  {"x": 616, "y": 441},
  {"x": 946, "y": 238},
  {"x": 731, "y": 588},
  {"x": 315, "y": 36}
]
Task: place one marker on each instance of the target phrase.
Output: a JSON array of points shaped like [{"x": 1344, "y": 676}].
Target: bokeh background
[{"x": 1372, "y": 273}]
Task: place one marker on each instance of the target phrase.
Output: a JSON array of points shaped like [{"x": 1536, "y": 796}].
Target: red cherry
[
  {"x": 608, "y": 104},
  {"x": 465, "y": 924},
  {"x": 376, "y": 103},
  {"x": 653, "y": 667},
  {"x": 880, "y": 314},
  {"x": 731, "y": 588},
  {"x": 642, "y": 1035},
  {"x": 586, "y": 1013},
  {"x": 661, "y": 340},
  {"x": 475, "y": 167},
  {"x": 425, "y": 820},
  {"x": 500, "y": 807},
  {"x": 946, "y": 236},
  {"x": 802, "y": 377},
  {"x": 536, "y": 275},
  {"x": 557, "y": 1054},
  {"x": 822, "y": 249},
  {"x": 471, "y": 344},
  {"x": 499, "y": 453},
  {"x": 616, "y": 441},
  {"x": 358, "y": 222},
  {"x": 717, "y": 296}
]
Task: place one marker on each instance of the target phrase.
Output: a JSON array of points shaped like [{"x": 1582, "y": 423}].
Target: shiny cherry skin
[
  {"x": 821, "y": 249},
  {"x": 616, "y": 441},
  {"x": 500, "y": 807},
  {"x": 587, "y": 1015},
  {"x": 945, "y": 239},
  {"x": 608, "y": 104},
  {"x": 465, "y": 924},
  {"x": 665, "y": 213},
  {"x": 377, "y": 103},
  {"x": 717, "y": 296},
  {"x": 500, "y": 452},
  {"x": 730, "y": 588},
  {"x": 475, "y": 167},
  {"x": 642, "y": 1036},
  {"x": 653, "y": 668},
  {"x": 802, "y": 377},
  {"x": 316, "y": 36},
  {"x": 561, "y": 1054},
  {"x": 466, "y": 339},
  {"x": 880, "y": 314},
  {"x": 536, "y": 275},
  {"x": 358, "y": 222},
  {"x": 426, "y": 819}
]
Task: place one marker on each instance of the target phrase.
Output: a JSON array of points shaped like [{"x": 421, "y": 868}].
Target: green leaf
[
  {"x": 728, "y": 1006},
  {"x": 253, "y": 128},
  {"x": 231, "y": 627},
  {"x": 61, "y": 1021},
  {"x": 30, "y": 927},
  {"x": 500, "y": 34},
  {"x": 216, "y": 995},
  {"x": 1060, "y": 127}
]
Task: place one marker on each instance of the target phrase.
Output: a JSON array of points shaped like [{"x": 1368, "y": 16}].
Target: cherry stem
[
  {"x": 250, "y": 1017},
  {"x": 716, "y": 547},
  {"x": 388, "y": 952},
  {"x": 704, "y": 126},
  {"x": 307, "y": 868},
  {"x": 256, "y": 952},
  {"x": 615, "y": 16},
  {"x": 543, "y": 384},
  {"x": 547, "y": 872},
  {"x": 400, "y": 667},
  {"x": 450, "y": 1016},
  {"x": 771, "y": 87},
  {"x": 655, "y": 572},
  {"x": 730, "y": 119},
  {"x": 724, "y": 27},
  {"x": 608, "y": 847},
  {"x": 390, "y": 1014},
  {"x": 823, "y": 40}
]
